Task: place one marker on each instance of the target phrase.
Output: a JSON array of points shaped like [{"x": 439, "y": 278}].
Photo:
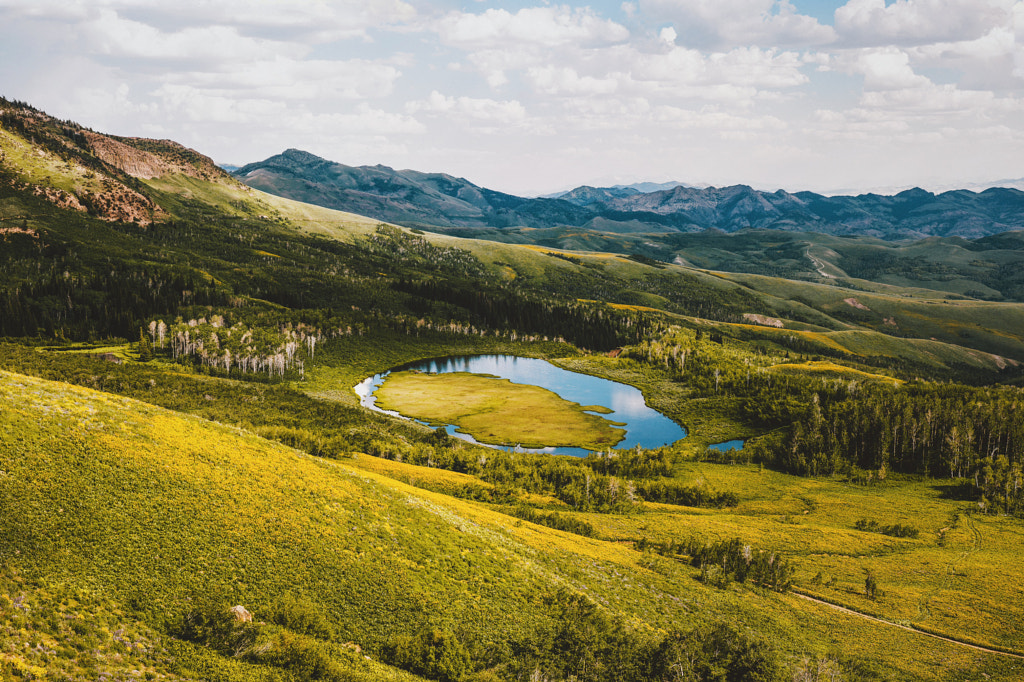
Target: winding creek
[{"x": 644, "y": 426}]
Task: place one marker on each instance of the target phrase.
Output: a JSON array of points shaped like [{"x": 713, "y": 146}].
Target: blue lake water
[
  {"x": 644, "y": 426},
  {"x": 727, "y": 446}
]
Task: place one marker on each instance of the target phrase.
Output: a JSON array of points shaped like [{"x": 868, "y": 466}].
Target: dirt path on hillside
[{"x": 908, "y": 628}]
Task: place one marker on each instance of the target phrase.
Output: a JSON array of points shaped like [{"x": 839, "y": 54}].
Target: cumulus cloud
[
  {"x": 543, "y": 26},
  {"x": 554, "y": 80},
  {"x": 508, "y": 112},
  {"x": 742, "y": 71},
  {"x": 203, "y": 106},
  {"x": 309, "y": 80},
  {"x": 918, "y": 22},
  {"x": 111, "y": 34},
  {"x": 319, "y": 20},
  {"x": 934, "y": 98},
  {"x": 723, "y": 24},
  {"x": 716, "y": 120},
  {"x": 887, "y": 69}
]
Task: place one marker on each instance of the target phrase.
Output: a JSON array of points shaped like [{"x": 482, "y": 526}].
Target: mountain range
[{"x": 419, "y": 199}]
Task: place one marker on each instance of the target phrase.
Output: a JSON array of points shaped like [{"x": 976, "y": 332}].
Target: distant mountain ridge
[
  {"x": 437, "y": 199},
  {"x": 406, "y": 197}
]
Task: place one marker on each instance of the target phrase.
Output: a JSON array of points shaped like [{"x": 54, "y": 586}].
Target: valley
[{"x": 179, "y": 435}]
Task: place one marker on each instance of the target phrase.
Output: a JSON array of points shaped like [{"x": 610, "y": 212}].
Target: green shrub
[
  {"x": 297, "y": 613},
  {"x": 304, "y": 658},
  {"x": 433, "y": 653}
]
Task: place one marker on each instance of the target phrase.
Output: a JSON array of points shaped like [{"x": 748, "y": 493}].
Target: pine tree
[{"x": 145, "y": 347}]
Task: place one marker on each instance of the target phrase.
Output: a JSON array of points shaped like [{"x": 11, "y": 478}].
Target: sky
[{"x": 532, "y": 97}]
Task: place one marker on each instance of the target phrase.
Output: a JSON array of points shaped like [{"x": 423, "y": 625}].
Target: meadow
[
  {"x": 496, "y": 411},
  {"x": 96, "y": 495}
]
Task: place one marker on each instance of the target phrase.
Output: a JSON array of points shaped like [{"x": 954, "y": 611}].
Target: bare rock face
[
  {"x": 134, "y": 162},
  {"x": 763, "y": 320},
  {"x": 241, "y": 614},
  {"x": 146, "y": 159}
]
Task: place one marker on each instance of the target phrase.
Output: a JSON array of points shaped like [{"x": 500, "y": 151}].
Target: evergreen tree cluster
[
  {"x": 729, "y": 560},
  {"x": 675, "y": 492},
  {"x": 930, "y": 429}
]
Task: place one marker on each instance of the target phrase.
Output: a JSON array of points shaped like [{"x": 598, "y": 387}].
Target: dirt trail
[{"x": 908, "y": 628}]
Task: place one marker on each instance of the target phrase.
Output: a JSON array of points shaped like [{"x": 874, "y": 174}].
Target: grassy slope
[
  {"x": 37, "y": 166},
  {"x": 153, "y": 508},
  {"x": 990, "y": 327}
]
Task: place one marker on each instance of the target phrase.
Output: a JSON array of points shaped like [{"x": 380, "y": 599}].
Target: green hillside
[{"x": 162, "y": 513}]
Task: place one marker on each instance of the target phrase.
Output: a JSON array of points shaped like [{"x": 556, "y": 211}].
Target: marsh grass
[{"x": 497, "y": 411}]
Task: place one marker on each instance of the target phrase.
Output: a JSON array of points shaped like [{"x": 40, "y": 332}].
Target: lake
[{"x": 644, "y": 426}]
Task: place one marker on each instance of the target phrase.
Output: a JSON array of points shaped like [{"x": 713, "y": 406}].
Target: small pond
[
  {"x": 727, "y": 446},
  {"x": 644, "y": 426}
]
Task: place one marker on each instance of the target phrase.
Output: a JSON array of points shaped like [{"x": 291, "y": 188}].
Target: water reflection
[{"x": 644, "y": 426}]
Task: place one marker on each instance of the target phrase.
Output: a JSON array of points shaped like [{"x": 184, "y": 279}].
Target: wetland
[{"x": 570, "y": 413}]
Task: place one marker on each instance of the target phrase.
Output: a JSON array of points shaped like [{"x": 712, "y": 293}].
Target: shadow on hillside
[{"x": 961, "y": 491}]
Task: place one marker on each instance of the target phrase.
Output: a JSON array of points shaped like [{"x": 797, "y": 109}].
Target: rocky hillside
[
  {"x": 432, "y": 199},
  {"x": 79, "y": 169}
]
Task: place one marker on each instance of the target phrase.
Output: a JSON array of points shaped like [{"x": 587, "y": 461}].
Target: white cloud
[
  {"x": 553, "y": 80},
  {"x": 58, "y": 10},
  {"x": 361, "y": 120},
  {"x": 943, "y": 99},
  {"x": 111, "y": 34},
  {"x": 888, "y": 69},
  {"x": 542, "y": 26},
  {"x": 1018, "y": 53},
  {"x": 918, "y": 22},
  {"x": 204, "y": 107},
  {"x": 289, "y": 79},
  {"x": 716, "y": 120},
  {"x": 723, "y": 24},
  {"x": 478, "y": 109},
  {"x": 319, "y": 20},
  {"x": 984, "y": 63},
  {"x": 199, "y": 105},
  {"x": 739, "y": 68}
]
